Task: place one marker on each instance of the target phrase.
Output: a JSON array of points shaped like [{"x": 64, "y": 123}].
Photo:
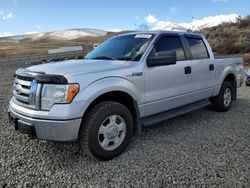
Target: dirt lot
[{"x": 199, "y": 149}]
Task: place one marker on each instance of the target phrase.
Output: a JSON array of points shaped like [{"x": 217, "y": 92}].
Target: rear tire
[
  {"x": 223, "y": 101},
  {"x": 106, "y": 130},
  {"x": 248, "y": 81}
]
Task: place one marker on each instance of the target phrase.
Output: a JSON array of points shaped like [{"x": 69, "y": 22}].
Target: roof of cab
[{"x": 160, "y": 32}]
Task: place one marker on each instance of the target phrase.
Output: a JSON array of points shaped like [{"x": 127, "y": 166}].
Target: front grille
[{"x": 26, "y": 92}]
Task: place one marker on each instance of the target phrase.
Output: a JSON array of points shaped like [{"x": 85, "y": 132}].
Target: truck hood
[{"x": 72, "y": 67}]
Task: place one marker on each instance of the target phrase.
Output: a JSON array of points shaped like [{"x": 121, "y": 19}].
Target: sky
[{"x": 30, "y": 16}]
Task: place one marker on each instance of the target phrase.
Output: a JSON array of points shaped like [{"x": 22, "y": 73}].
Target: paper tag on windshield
[{"x": 143, "y": 36}]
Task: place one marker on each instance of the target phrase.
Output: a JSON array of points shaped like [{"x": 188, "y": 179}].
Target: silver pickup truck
[{"x": 130, "y": 81}]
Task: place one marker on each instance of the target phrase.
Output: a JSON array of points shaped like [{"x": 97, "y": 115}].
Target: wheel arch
[{"x": 122, "y": 97}]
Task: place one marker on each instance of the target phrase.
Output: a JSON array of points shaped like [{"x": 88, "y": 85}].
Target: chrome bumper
[{"x": 53, "y": 130}]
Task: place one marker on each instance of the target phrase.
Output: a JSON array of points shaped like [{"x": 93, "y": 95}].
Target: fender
[
  {"x": 228, "y": 70},
  {"x": 109, "y": 84}
]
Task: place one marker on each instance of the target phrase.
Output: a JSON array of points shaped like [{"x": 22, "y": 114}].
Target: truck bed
[{"x": 226, "y": 56}]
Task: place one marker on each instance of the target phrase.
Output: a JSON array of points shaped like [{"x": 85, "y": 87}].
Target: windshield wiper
[
  {"x": 104, "y": 57},
  {"x": 124, "y": 58}
]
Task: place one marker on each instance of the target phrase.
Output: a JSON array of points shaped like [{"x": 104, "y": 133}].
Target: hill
[
  {"x": 230, "y": 38},
  {"x": 38, "y": 44}
]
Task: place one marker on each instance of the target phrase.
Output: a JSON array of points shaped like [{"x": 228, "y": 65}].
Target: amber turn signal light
[{"x": 72, "y": 91}]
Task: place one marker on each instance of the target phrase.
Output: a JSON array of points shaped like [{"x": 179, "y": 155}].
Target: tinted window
[
  {"x": 125, "y": 47},
  {"x": 198, "y": 48},
  {"x": 170, "y": 44}
]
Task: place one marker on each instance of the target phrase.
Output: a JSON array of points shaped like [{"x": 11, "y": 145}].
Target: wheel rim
[
  {"x": 112, "y": 132},
  {"x": 227, "y": 97}
]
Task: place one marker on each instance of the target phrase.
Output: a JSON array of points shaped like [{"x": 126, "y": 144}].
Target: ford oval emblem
[{"x": 18, "y": 89}]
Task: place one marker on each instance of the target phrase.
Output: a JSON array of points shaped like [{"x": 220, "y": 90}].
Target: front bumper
[{"x": 53, "y": 130}]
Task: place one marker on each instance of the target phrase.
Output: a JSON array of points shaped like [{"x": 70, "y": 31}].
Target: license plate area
[{"x": 22, "y": 127}]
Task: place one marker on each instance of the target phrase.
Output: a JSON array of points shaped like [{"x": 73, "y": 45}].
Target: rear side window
[
  {"x": 172, "y": 43},
  {"x": 198, "y": 48}
]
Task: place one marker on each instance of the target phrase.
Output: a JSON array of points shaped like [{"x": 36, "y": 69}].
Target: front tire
[
  {"x": 106, "y": 130},
  {"x": 223, "y": 101}
]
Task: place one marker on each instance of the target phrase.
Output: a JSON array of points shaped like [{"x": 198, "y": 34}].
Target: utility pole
[{"x": 192, "y": 23}]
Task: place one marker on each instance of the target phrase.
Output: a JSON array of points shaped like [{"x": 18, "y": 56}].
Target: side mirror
[{"x": 162, "y": 58}]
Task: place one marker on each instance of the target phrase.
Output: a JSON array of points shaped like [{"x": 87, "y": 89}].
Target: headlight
[{"x": 57, "y": 94}]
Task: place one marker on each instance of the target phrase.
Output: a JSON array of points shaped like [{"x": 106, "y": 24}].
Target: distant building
[{"x": 65, "y": 49}]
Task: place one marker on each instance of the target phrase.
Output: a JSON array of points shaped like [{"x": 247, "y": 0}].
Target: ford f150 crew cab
[{"x": 130, "y": 81}]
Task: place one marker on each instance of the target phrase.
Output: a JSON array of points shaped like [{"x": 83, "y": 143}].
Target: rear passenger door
[{"x": 202, "y": 68}]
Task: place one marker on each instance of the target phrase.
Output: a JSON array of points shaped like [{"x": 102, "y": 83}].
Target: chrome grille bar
[
  {"x": 20, "y": 97},
  {"x": 23, "y": 82}
]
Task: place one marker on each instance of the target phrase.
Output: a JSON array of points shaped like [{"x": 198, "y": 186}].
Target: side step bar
[{"x": 158, "y": 118}]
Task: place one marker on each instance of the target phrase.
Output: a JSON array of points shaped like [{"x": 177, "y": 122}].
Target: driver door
[{"x": 168, "y": 86}]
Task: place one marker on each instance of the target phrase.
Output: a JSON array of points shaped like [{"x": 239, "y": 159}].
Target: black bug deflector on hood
[{"x": 40, "y": 77}]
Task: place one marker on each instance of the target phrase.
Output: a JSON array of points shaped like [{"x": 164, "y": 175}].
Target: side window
[
  {"x": 170, "y": 44},
  {"x": 198, "y": 48}
]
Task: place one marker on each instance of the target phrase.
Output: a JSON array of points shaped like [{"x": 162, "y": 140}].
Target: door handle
[
  {"x": 211, "y": 67},
  {"x": 188, "y": 70}
]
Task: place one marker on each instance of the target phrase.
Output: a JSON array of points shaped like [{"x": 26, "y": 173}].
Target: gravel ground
[{"x": 199, "y": 149}]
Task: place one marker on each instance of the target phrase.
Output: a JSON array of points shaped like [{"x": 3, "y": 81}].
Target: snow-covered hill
[
  {"x": 196, "y": 24},
  {"x": 76, "y": 33},
  {"x": 171, "y": 26},
  {"x": 69, "y": 34},
  {"x": 210, "y": 21}
]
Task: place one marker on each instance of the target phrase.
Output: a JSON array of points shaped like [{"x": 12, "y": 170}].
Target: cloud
[
  {"x": 9, "y": 16},
  {"x": 6, "y": 34},
  {"x": 6, "y": 16},
  {"x": 151, "y": 19},
  {"x": 215, "y": 1}
]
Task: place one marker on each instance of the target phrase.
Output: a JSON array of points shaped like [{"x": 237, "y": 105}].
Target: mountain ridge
[{"x": 225, "y": 38}]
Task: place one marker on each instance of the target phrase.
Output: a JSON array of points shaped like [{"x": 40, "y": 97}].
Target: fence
[{"x": 40, "y": 58}]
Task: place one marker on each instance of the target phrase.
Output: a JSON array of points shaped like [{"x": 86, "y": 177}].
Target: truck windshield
[{"x": 126, "y": 47}]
